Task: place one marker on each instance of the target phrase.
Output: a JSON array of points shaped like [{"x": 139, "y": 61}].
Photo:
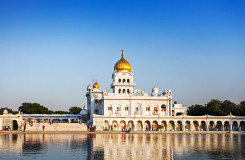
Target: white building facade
[{"x": 126, "y": 103}]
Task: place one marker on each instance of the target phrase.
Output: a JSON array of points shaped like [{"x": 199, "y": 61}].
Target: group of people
[{"x": 92, "y": 128}]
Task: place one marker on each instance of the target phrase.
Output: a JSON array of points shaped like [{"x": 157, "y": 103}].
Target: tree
[
  {"x": 214, "y": 108},
  {"x": 33, "y": 108},
  {"x": 228, "y": 107},
  {"x": 197, "y": 110},
  {"x": 9, "y": 111},
  {"x": 61, "y": 112},
  {"x": 75, "y": 110}
]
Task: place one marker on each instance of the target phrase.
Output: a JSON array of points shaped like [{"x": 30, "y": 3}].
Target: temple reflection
[{"x": 124, "y": 146}]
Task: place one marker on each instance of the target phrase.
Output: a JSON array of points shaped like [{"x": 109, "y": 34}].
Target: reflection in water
[{"x": 122, "y": 146}]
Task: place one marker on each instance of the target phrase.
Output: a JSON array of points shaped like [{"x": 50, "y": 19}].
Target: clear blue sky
[{"x": 50, "y": 50}]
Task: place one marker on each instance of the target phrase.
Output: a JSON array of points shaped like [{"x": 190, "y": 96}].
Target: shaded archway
[
  {"x": 106, "y": 125},
  {"x": 154, "y": 126},
  {"x": 122, "y": 124},
  {"x": 203, "y": 126},
  {"x": 131, "y": 125},
  {"x": 56, "y": 121},
  {"x": 147, "y": 125},
  {"x": 114, "y": 125},
  {"x": 139, "y": 126},
  {"x": 15, "y": 125},
  {"x": 187, "y": 126},
  {"x": 179, "y": 126},
  {"x": 227, "y": 126},
  {"x": 242, "y": 124},
  {"x": 235, "y": 126},
  {"x": 211, "y": 126},
  {"x": 171, "y": 126},
  {"x": 164, "y": 126},
  {"x": 64, "y": 121},
  {"x": 195, "y": 126},
  {"x": 219, "y": 126}
]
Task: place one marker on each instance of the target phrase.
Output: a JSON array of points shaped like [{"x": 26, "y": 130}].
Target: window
[
  {"x": 147, "y": 108},
  {"x": 118, "y": 108},
  {"x": 124, "y": 91},
  {"x": 124, "y": 80},
  {"x": 126, "y": 108},
  {"x": 155, "y": 109},
  {"x": 109, "y": 108},
  {"x": 119, "y": 91},
  {"x": 128, "y": 80},
  {"x": 119, "y": 80},
  {"x": 163, "y": 109},
  {"x": 96, "y": 111},
  {"x": 128, "y": 91},
  {"x": 137, "y": 108}
]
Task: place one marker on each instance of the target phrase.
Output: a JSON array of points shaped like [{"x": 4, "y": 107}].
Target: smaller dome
[
  {"x": 96, "y": 85},
  {"x": 155, "y": 90},
  {"x": 89, "y": 88},
  {"x": 84, "y": 112},
  {"x": 5, "y": 112}
]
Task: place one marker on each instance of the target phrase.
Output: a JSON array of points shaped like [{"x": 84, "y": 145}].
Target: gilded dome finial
[{"x": 122, "y": 65}]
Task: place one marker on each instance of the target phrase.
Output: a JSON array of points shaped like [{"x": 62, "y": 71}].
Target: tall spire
[{"x": 122, "y": 52}]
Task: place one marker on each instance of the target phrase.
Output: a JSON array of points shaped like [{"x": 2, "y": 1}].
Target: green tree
[
  {"x": 228, "y": 107},
  {"x": 61, "y": 112},
  {"x": 241, "y": 109},
  {"x": 197, "y": 110},
  {"x": 75, "y": 110},
  {"x": 33, "y": 108},
  {"x": 8, "y": 109},
  {"x": 214, "y": 108}
]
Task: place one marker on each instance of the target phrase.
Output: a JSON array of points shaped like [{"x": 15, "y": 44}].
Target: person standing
[{"x": 43, "y": 127}]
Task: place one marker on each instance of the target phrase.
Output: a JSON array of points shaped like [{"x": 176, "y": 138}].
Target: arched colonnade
[{"x": 175, "y": 125}]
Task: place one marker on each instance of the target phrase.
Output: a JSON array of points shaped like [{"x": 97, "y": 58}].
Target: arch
[
  {"x": 147, "y": 125},
  {"x": 164, "y": 126},
  {"x": 195, "y": 126},
  {"x": 124, "y": 91},
  {"x": 119, "y": 91},
  {"x": 242, "y": 125},
  {"x": 124, "y": 80},
  {"x": 179, "y": 126},
  {"x": 15, "y": 125},
  {"x": 235, "y": 126},
  {"x": 122, "y": 124},
  {"x": 128, "y": 80},
  {"x": 227, "y": 126},
  {"x": 154, "y": 126},
  {"x": 203, "y": 126},
  {"x": 211, "y": 126},
  {"x": 56, "y": 121},
  {"x": 119, "y": 80},
  {"x": 187, "y": 126},
  {"x": 219, "y": 126},
  {"x": 128, "y": 91},
  {"x": 114, "y": 125},
  {"x": 106, "y": 125},
  {"x": 171, "y": 126},
  {"x": 139, "y": 126},
  {"x": 131, "y": 125},
  {"x": 65, "y": 121}
]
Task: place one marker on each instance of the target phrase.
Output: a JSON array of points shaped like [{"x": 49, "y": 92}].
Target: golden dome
[
  {"x": 122, "y": 65},
  {"x": 96, "y": 85}
]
